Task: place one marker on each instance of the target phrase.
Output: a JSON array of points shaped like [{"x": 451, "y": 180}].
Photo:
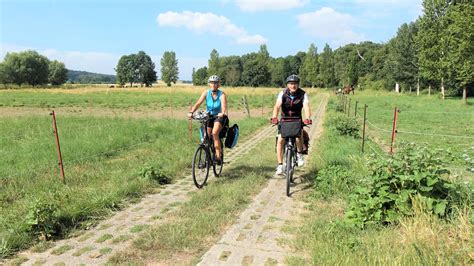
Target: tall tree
[
  {"x": 403, "y": 56},
  {"x": 326, "y": 67},
  {"x": 310, "y": 68},
  {"x": 263, "y": 62},
  {"x": 57, "y": 73},
  {"x": 146, "y": 69},
  {"x": 428, "y": 41},
  {"x": 26, "y": 67},
  {"x": 279, "y": 69},
  {"x": 460, "y": 36},
  {"x": 213, "y": 63},
  {"x": 200, "y": 76},
  {"x": 126, "y": 69},
  {"x": 169, "y": 68}
]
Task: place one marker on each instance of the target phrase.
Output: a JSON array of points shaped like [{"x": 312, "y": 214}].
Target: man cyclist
[
  {"x": 216, "y": 106},
  {"x": 292, "y": 100}
]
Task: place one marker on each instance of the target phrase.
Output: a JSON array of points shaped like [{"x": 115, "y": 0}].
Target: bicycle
[
  {"x": 205, "y": 153},
  {"x": 290, "y": 129}
]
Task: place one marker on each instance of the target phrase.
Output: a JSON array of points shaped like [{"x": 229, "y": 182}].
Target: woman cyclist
[{"x": 216, "y": 106}]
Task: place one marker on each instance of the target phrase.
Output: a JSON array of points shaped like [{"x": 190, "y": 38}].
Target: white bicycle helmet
[{"x": 213, "y": 78}]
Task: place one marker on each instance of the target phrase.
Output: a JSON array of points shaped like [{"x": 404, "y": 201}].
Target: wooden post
[
  {"x": 56, "y": 136},
  {"x": 349, "y": 107},
  {"x": 418, "y": 87},
  {"x": 363, "y": 129},
  {"x": 190, "y": 124},
  {"x": 394, "y": 129},
  {"x": 355, "y": 109},
  {"x": 442, "y": 88}
]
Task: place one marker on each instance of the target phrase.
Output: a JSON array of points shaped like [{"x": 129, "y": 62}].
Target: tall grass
[
  {"x": 445, "y": 124},
  {"x": 325, "y": 237},
  {"x": 103, "y": 158}
]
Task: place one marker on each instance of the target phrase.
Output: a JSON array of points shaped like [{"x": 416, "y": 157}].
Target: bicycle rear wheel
[
  {"x": 218, "y": 168},
  {"x": 289, "y": 170},
  {"x": 201, "y": 164}
]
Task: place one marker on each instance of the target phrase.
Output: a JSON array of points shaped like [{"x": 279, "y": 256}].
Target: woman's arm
[{"x": 224, "y": 104}]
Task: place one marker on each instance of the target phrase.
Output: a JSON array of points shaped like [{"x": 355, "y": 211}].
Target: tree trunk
[
  {"x": 442, "y": 88},
  {"x": 429, "y": 90},
  {"x": 418, "y": 87},
  {"x": 464, "y": 93}
]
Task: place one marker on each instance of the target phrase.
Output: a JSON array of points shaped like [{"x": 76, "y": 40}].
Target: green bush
[
  {"x": 346, "y": 126},
  {"x": 389, "y": 192},
  {"x": 154, "y": 174},
  {"x": 42, "y": 218}
]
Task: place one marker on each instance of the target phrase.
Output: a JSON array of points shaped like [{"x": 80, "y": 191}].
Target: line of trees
[
  {"x": 29, "y": 67},
  {"x": 139, "y": 68},
  {"x": 435, "y": 52}
]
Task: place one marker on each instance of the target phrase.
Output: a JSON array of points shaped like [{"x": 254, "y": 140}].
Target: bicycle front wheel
[
  {"x": 218, "y": 168},
  {"x": 289, "y": 170},
  {"x": 201, "y": 164}
]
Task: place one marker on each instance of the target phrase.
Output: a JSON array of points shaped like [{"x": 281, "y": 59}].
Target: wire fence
[{"x": 400, "y": 127}]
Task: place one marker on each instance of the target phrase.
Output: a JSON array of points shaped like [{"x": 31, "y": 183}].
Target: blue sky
[{"x": 92, "y": 35}]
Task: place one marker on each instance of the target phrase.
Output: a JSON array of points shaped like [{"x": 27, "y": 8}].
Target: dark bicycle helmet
[{"x": 293, "y": 78}]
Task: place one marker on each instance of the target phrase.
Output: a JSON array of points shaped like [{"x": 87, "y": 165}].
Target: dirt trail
[
  {"x": 258, "y": 237},
  {"x": 115, "y": 234}
]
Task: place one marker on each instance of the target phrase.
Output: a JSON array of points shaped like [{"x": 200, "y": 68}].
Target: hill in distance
[{"x": 85, "y": 77}]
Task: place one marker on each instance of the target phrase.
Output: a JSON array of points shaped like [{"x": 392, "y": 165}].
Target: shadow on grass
[{"x": 304, "y": 181}]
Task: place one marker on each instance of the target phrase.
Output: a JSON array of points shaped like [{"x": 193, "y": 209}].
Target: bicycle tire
[
  {"x": 201, "y": 164},
  {"x": 289, "y": 170},
  {"x": 218, "y": 168}
]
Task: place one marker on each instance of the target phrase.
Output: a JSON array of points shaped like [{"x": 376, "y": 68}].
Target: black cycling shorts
[{"x": 212, "y": 119}]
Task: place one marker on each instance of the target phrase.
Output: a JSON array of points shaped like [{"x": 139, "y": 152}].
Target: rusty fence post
[
  {"x": 56, "y": 136},
  {"x": 394, "y": 128}
]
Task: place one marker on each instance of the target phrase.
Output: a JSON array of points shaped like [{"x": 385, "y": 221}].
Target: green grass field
[
  {"x": 325, "y": 237},
  {"x": 104, "y": 159},
  {"x": 155, "y": 97},
  {"x": 439, "y": 124}
]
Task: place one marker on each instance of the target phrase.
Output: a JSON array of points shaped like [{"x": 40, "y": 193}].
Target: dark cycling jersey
[{"x": 292, "y": 104}]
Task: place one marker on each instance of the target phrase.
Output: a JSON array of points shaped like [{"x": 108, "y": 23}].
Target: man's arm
[
  {"x": 276, "y": 108},
  {"x": 307, "y": 108}
]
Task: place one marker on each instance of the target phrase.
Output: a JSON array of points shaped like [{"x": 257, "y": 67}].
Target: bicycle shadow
[{"x": 303, "y": 181}]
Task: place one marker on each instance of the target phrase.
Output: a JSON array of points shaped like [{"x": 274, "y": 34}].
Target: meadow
[
  {"x": 107, "y": 158},
  {"x": 329, "y": 233}
]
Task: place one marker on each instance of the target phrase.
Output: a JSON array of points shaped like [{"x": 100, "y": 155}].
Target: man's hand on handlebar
[
  {"x": 274, "y": 120},
  {"x": 307, "y": 122}
]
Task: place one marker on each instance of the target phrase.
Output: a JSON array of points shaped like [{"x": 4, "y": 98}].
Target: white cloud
[
  {"x": 262, "y": 5},
  {"x": 329, "y": 25},
  {"x": 208, "y": 22}
]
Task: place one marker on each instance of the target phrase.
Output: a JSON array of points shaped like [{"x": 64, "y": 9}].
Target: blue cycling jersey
[{"x": 213, "y": 106}]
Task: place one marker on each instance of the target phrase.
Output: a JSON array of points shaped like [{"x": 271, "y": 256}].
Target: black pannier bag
[
  {"x": 232, "y": 136},
  {"x": 290, "y": 128}
]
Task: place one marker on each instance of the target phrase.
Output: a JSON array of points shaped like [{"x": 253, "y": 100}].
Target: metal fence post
[{"x": 355, "y": 109}]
